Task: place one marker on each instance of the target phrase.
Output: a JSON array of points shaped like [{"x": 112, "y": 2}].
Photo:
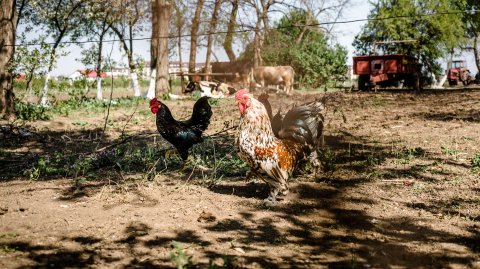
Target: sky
[{"x": 344, "y": 35}]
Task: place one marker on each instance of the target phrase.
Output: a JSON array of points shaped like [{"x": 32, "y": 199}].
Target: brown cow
[
  {"x": 275, "y": 75},
  {"x": 237, "y": 71}
]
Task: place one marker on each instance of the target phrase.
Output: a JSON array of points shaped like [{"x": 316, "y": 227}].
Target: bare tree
[
  {"x": 164, "y": 8},
  {"x": 125, "y": 25},
  {"x": 232, "y": 22},
  {"x": 62, "y": 19},
  {"x": 213, "y": 27},
  {"x": 261, "y": 9},
  {"x": 8, "y": 24},
  {"x": 153, "y": 50},
  {"x": 194, "y": 36},
  {"x": 98, "y": 23},
  {"x": 179, "y": 27}
]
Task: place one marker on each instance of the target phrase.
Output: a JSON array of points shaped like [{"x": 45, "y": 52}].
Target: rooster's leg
[
  {"x": 271, "y": 200},
  {"x": 184, "y": 164},
  {"x": 170, "y": 152},
  {"x": 251, "y": 174}
]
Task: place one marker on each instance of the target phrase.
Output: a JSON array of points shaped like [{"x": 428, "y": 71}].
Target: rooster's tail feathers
[
  {"x": 202, "y": 112},
  {"x": 304, "y": 124}
]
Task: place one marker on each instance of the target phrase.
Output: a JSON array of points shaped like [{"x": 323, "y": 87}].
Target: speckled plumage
[{"x": 277, "y": 157}]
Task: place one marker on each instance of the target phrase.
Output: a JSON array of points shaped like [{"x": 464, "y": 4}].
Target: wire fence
[{"x": 251, "y": 29}]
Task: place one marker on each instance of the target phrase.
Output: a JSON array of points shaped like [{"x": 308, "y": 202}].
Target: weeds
[
  {"x": 408, "y": 154},
  {"x": 475, "y": 162},
  {"x": 449, "y": 152},
  {"x": 179, "y": 257},
  {"x": 31, "y": 112},
  {"x": 328, "y": 159},
  {"x": 124, "y": 157}
]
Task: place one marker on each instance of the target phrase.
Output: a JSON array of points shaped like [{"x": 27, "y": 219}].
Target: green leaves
[
  {"x": 432, "y": 23},
  {"x": 306, "y": 49}
]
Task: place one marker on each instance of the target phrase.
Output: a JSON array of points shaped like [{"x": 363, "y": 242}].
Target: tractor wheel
[
  {"x": 416, "y": 83},
  {"x": 452, "y": 82},
  {"x": 363, "y": 80}
]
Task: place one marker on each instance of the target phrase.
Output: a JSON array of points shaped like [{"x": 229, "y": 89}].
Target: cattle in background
[
  {"x": 210, "y": 89},
  {"x": 237, "y": 72},
  {"x": 274, "y": 75}
]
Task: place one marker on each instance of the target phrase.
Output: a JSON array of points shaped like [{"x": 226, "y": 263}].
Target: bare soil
[{"x": 400, "y": 190}]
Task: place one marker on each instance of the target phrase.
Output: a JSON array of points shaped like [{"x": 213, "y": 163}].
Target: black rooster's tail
[
  {"x": 304, "y": 124},
  {"x": 202, "y": 112}
]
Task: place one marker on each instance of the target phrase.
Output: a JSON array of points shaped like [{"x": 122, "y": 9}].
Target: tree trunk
[
  {"x": 163, "y": 9},
  {"x": 8, "y": 25},
  {"x": 99, "y": 61},
  {"x": 153, "y": 50},
  {"x": 213, "y": 27},
  {"x": 257, "y": 59},
  {"x": 227, "y": 44},
  {"x": 194, "y": 37},
  {"x": 131, "y": 64},
  {"x": 180, "y": 60},
  {"x": 476, "y": 51},
  {"x": 51, "y": 63},
  {"x": 258, "y": 39}
]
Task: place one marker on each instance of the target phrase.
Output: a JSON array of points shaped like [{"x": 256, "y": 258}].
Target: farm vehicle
[
  {"x": 459, "y": 73},
  {"x": 391, "y": 70}
]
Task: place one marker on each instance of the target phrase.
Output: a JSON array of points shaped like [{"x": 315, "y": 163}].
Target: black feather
[{"x": 184, "y": 134}]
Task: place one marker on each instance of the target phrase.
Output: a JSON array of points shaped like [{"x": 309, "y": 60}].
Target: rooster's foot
[
  {"x": 270, "y": 201},
  {"x": 250, "y": 174},
  {"x": 284, "y": 191},
  {"x": 170, "y": 152}
]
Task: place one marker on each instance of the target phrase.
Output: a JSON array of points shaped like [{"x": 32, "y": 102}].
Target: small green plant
[
  {"x": 328, "y": 160},
  {"x": 408, "y": 154},
  {"x": 31, "y": 112},
  {"x": 475, "y": 161},
  {"x": 373, "y": 160},
  {"x": 179, "y": 257},
  {"x": 449, "y": 152}
]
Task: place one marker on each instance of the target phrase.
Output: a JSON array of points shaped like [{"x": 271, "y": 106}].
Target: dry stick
[
  {"x": 111, "y": 96},
  {"x": 222, "y": 131},
  {"x": 128, "y": 120}
]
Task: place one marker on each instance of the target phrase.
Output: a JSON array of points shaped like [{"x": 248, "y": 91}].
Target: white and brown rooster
[{"x": 299, "y": 137}]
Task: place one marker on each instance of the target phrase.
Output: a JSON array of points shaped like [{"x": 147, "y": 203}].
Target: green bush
[{"x": 31, "y": 112}]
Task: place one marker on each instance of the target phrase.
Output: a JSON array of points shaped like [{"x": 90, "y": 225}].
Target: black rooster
[{"x": 182, "y": 134}]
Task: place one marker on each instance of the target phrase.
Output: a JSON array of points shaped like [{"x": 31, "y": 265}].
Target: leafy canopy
[
  {"x": 433, "y": 24},
  {"x": 305, "y": 48}
]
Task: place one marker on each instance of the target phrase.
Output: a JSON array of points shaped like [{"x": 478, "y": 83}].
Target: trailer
[{"x": 391, "y": 70}]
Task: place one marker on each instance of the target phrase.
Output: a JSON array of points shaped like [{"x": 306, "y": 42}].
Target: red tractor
[{"x": 459, "y": 73}]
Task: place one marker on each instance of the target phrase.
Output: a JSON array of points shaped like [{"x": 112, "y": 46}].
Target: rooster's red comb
[
  {"x": 240, "y": 93},
  {"x": 153, "y": 102}
]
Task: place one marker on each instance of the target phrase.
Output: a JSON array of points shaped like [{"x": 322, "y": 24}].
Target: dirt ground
[{"x": 400, "y": 190}]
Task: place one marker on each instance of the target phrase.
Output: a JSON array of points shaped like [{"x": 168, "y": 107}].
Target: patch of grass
[
  {"x": 179, "y": 257},
  {"x": 373, "y": 160},
  {"x": 125, "y": 158},
  {"x": 9, "y": 235},
  {"x": 7, "y": 249},
  {"x": 328, "y": 160},
  {"x": 93, "y": 105},
  {"x": 475, "y": 162},
  {"x": 449, "y": 152},
  {"x": 408, "y": 154},
  {"x": 31, "y": 112}
]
